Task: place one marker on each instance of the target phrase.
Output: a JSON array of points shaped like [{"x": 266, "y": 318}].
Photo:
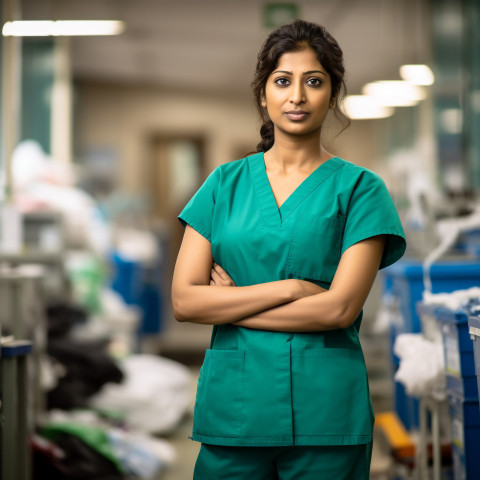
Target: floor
[{"x": 187, "y": 450}]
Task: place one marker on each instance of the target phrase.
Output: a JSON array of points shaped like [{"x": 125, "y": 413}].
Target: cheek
[
  {"x": 323, "y": 102},
  {"x": 272, "y": 104}
]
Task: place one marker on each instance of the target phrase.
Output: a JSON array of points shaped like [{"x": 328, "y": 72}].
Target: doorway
[{"x": 175, "y": 169}]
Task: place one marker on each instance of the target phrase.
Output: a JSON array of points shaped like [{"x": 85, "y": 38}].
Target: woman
[{"x": 279, "y": 254}]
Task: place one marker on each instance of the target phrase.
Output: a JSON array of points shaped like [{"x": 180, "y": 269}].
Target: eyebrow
[{"x": 305, "y": 73}]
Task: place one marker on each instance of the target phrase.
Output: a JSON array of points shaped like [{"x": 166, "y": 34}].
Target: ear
[{"x": 263, "y": 100}]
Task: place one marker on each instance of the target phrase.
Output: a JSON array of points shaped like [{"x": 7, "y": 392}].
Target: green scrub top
[{"x": 262, "y": 388}]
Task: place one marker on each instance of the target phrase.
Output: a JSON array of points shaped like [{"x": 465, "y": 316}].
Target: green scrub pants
[{"x": 346, "y": 462}]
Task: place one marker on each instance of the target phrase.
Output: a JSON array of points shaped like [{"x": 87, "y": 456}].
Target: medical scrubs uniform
[{"x": 273, "y": 389}]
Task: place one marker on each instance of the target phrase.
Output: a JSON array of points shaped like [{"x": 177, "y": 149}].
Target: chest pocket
[{"x": 315, "y": 248}]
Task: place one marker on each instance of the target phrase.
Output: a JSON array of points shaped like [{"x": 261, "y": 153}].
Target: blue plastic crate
[
  {"x": 429, "y": 321},
  {"x": 474, "y": 331},
  {"x": 126, "y": 278},
  {"x": 404, "y": 281},
  {"x": 465, "y": 426},
  {"x": 458, "y": 353},
  {"x": 139, "y": 285},
  {"x": 406, "y": 407},
  {"x": 469, "y": 242}
]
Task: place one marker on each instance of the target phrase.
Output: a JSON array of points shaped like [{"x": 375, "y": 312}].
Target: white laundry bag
[
  {"x": 154, "y": 396},
  {"x": 421, "y": 368}
]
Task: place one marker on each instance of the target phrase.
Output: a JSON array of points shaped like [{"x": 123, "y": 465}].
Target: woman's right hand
[
  {"x": 219, "y": 277},
  {"x": 303, "y": 288}
]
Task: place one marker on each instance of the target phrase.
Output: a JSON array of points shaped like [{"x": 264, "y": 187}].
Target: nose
[{"x": 297, "y": 93}]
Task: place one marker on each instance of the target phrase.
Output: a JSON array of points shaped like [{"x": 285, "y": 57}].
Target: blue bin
[
  {"x": 430, "y": 323},
  {"x": 458, "y": 353},
  {"x": 474, "y": 331},
  {"x": 139, "y": 285},
  {"x": 465, "y": 427},
  {"x": 469, "y": 242},
  {"x": 404, "y": 281},
  {"x": 126, "y": 278}
]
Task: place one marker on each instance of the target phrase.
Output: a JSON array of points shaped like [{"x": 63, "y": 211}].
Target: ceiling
[{"x": 211, "y": 45}]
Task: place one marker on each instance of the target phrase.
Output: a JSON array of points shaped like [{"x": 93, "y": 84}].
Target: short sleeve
[
  {"x": 371, "y": 212},
  {"x": 198, "y": 212}
]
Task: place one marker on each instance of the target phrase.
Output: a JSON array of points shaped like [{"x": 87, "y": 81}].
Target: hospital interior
[{"x": 113, "y": 113}]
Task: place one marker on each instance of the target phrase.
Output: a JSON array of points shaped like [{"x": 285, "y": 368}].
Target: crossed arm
[{"x": 204, "y": 295}]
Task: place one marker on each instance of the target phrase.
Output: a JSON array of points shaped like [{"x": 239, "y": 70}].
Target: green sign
[{"x": 275, "y": 14}]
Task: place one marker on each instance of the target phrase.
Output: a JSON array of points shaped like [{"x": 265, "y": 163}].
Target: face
[{"x": 297, "y": 93}]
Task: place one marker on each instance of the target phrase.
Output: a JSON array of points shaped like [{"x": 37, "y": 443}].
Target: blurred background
[{"x": 109, "y": 127}]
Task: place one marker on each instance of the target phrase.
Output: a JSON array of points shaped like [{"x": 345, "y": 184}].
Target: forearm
[
  {"x": 336, "y": 308},
  {"x": 321, "y": 312},
  {"x": 218, "y": 304}
]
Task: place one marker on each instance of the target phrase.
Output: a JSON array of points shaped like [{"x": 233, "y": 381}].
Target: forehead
[{"x": 300, "y": 60}]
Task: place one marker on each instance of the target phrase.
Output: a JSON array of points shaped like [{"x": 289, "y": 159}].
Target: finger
[
  {"x": 221, "y": 272},
  {"x": 215, "y": 276},
  {"x": 219, "y": 281},
  {"x": 212, "y": 281},
  {"x": 218, "y": 272}
]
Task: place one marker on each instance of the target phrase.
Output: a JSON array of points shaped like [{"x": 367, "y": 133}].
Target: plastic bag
[
  {"x": 421, "y": 368},
  {"x": 154, "y": 395}
]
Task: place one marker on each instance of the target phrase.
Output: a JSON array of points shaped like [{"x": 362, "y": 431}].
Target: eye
[
  {"x": 314, "y": 82},
  {"x": 282, "y": 81}
]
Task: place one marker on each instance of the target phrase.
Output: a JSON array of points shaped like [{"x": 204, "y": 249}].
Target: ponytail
[{"x": 267, "y": 134}]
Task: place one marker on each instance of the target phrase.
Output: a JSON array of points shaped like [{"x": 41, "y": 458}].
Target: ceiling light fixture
[
  {"x": 417, "y": 74},
  {"x": 45, "y": 28},
  {"x": 395, "y": 93},
  {"x": 365, "y": 107}
]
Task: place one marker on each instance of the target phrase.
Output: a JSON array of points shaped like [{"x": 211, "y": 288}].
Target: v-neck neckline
[{"x": 272, "y": 213}]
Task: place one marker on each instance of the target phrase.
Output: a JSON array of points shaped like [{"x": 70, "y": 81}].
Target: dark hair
[{"x": 295, "y": 36}]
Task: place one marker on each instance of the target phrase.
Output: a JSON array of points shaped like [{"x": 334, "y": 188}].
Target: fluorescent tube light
[
  {"x": 27, "y": 28},
  {"x": 395, "y": 93},
  {"x": 417, "y": 74},
  {"x": 365, "y": 107},
  {"x": 89, "y": 27},
  {"x": 44, "y": 28}
]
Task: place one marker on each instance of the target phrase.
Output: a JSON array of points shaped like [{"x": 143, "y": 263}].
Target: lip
[{"x": 296, "y": 115}]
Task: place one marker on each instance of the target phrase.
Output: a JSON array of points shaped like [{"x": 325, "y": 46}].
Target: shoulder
[
  {"x": 224, "y": 170},
  {"x": 358, "y": 177},
  {"x": 224, "y": 177},
  {"x": 229, "y": 172},
  {"x": 359, "y": 172},
  {"x": 232, "y": 167}
]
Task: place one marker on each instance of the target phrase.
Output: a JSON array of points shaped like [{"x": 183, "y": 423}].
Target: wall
[{"x": 122, "y": 117}]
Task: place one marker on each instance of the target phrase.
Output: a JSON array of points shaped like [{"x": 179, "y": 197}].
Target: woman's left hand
[{"x": 220, "y": 278}]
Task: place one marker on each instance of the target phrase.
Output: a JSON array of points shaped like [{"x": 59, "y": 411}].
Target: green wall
[
  {"x": 37, "y": 82},
  {"x": 456, "y": 44}
]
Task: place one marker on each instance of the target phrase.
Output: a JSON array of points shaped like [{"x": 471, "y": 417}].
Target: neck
[{"x": 296, "y": 152}]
